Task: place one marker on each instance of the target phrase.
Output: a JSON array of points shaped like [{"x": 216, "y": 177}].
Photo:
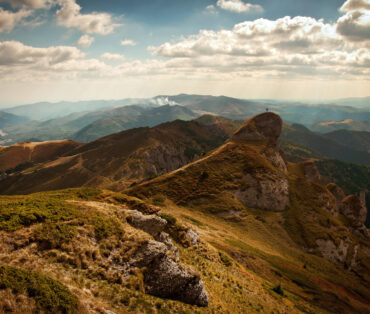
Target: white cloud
[
  {"x": 350, "y": 5},
  {"x": 8, "y": 19},
  {"x": 355, "y": 23},
  {"x": 293, "y": 47},
  {"x": 238, "y": 6},
  {"x": 85, "y": 41},
  {"x": 112, "y": 56},
  {"x": 93, "y": 23},
  {"x": 211, "y": 9},
  {"x": 14, "y": 53},
  {"x": 34, "y": 4},
  {"x": 128, "y": 42}
]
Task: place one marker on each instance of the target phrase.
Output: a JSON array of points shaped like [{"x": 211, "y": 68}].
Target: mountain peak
[{"x": 267, "y": 125}]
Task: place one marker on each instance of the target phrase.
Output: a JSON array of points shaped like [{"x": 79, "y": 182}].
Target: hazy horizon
[{"x": 305, "y": 101}]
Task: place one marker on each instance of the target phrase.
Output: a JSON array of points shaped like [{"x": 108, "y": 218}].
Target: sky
[{"x": 53, "y": 50}]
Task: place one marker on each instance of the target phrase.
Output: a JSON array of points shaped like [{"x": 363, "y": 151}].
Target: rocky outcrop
[
  {"x": 155, "y": 161},
  {"x": 154, "y": 225},
  {"x": 267, "y": 125},
  {"x": 310, "y": 171},
  {"x": 166, "y": 240},
  {"x": 338, "y": 194},
  {"x": 151, "y": 224},
  {"x": 266, "y": 192},
  {"x": 333, "y": 252},
  {"x": 166, "y": 278},
  {"x": 275, "y": 156},
  {"x": 192, "y": 236},
  {"x": 355, "y": 211}
]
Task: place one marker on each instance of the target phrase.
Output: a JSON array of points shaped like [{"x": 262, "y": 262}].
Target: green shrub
[
  {"x": 169, "y": 218},
  {"x": 225, "y": 259},
  {"x": 19, "y": 213},
  {"x": 105, "y": 227},
  {"x": 50, "y": 295}
]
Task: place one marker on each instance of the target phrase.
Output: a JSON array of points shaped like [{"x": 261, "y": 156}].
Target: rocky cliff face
[{"x": 268, "y": 190}]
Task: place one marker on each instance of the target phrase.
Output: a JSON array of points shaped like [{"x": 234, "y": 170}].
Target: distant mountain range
[{"x": 88, "y": 120}]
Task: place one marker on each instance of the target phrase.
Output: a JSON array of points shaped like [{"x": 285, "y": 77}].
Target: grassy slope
[
  {"x": 23, "y": 155},
  {"x": 48, "y": 236}
]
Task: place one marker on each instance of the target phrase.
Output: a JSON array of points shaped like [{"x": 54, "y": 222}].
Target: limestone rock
[
  {"x": 275, "y": 156},
  {"x": 151, "y": 224},
  {"x": 336, "y": 191},
  {"x": 166, "y": 278},
  {"x": 166, "y": 240},
  {"x": 266, "y": 192},
  {"x": 354, "y": 210},
  {"x": 338, "y": 194},
  {"x": 192, "y": 236},
  {"x": 267, "y": 125},
  {"x": 331, "y": 251}
]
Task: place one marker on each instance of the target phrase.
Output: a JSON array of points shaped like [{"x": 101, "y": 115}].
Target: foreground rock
[{"x": 166, "y": 278}]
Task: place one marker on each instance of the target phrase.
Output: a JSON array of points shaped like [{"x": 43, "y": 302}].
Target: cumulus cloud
[
  {"x": 9, "y": 19},
  {"x": 355, "y": 23},
  {"x": 14, "y": 53},
  {"x": 297, "y": 46},
  {"x": 128, "y": 42},
  {"x": 34, "y": 4},
  {"x": 112, "y": 56},
  {"x": 19, "y": 62},
  {"x": 69, "y": 15},
  {"x": 238, "y": 6},
  {"x": 350, "y": 5},
  {"x": 85, "y": 41}
]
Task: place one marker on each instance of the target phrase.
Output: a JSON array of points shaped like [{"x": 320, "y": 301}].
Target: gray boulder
[
  {"x": 151, "y": 224},
  {"x": 166, "y": 278}
]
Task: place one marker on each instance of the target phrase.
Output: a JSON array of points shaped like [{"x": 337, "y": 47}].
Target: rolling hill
[
  {"x": 22, "y": 155},
  {"x": 326, "y": 146},
  {"x": 132, "y": 117},
  {"x": 349, "y": 124},
  {"x": 354, "y": 139},
  {"x": 87, "y": 126},
  {"x": 121, "y": 159}
]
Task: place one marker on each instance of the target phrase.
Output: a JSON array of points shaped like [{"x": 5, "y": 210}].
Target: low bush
[{"x": 50, "y": 295}]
